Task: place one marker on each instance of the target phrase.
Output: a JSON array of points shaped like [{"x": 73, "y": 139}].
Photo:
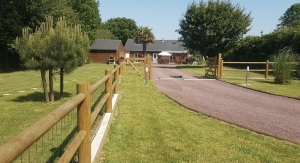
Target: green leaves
[
  {"x": 213, "y": 27},
  {"x": 105, "y": 34},
  {"x": 282, "y": 66},
  {"x": 88, "y": 14},
  {"x": 122, "y": 28},
  {"x": 291, "y": 15},
  {"x": 144, "y": 34},
  {"x": 53, "y": 47}
]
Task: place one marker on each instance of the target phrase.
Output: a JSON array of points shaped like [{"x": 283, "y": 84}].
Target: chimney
[{"x": 162, "y": 40}]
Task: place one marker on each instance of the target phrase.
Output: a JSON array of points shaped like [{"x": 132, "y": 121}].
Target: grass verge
[{"x": 150, "y": 127}]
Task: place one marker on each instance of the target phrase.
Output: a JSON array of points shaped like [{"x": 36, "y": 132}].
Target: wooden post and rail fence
[
  {"x": 215, "y": 66},
  {"x": 85, "y": 118},
  {"x": 147, "y": 61}
]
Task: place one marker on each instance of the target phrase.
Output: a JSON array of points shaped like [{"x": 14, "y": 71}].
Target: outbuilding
[{"x": 102, "y": 50}]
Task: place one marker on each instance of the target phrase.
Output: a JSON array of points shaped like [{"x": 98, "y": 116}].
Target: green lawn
[
  {"x": 150, "y": 127},
  {"x": 291, "y": 90},
  {"x": 22, "y": 102},
  {"x": 147, "y": 126}
]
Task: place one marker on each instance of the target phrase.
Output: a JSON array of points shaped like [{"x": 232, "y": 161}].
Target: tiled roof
[
  {"x": 159, "y": 45},
  {"x": 105, "y": 44}
]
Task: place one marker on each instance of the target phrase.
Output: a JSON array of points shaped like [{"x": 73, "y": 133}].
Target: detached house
[
  {"x": 102, "y": 50},
  {"x": 177, "y": 53}
]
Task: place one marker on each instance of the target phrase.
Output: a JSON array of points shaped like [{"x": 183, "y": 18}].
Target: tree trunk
[
  {"x": 61, "y": 82},
  {"x": 44, "y": 84},
  {"x": 6, "y": 57},
  {"x": 51, "y": 85}
]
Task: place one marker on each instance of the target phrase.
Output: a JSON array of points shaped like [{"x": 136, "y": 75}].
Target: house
[
  {"x": 102, "y": 50},
  {"x": 178, "y": 52}
]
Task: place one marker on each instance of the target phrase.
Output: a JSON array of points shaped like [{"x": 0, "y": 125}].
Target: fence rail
[
  {"x": 215, "y": 65},
  {"x": 147, "y": 61},
  {"x": 266, "y": 70},
  {"x": 82, "y": 141}
]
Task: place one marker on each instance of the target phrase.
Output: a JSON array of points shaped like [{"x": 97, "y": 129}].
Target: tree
[
  {"x": 69, "y": 46},
  {"x": 144, "y": 35},
  {"x": 250, "y": 48},
  {"x": 291, "y": 15},
  {"x": 15, "y": 15},
  {"x": 105, "y": 34},
  {"x": 52, "y": 47},
  {"x": 122, "y": 28},
  {"x": 213, "y": 27},
  {"x": 88, "y": 15},
  {"x": 10, "y": 27}
]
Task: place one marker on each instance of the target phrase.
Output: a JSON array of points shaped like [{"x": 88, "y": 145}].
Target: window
[
  {"x": 173, "y": 43},
  {"x": 138, "y": 55},
  {"x": 173, "y": 56},
  {"x": 138, "y": 43}
]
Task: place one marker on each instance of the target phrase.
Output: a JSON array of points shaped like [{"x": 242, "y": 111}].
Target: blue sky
[{"x": 163, "y": 15}]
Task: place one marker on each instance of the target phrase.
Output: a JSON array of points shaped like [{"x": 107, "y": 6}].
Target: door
[{"x": 154, "y": 58}]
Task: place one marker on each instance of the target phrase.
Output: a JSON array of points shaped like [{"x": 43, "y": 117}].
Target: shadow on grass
[
  {"x": 38, "y": 97},
  {"x": 266, "y": 81}
]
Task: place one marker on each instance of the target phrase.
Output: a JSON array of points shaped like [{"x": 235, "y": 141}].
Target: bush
[{"x": 282, "y": 68}]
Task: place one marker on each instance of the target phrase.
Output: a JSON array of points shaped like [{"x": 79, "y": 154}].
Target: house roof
[
  {"x": 171, "y": 46},
  {"x": 100, "y": 44}
]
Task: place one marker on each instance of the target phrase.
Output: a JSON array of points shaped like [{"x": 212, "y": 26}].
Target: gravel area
[{"x": 264, "y": 113}]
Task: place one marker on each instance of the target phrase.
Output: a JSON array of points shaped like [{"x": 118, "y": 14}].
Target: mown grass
[
  {"x": 150, "y": 127},
  {"x": 25, "y": 103},
  {"x": 290, "y": 90}
]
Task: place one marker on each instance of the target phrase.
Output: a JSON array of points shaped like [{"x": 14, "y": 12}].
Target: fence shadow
[
  {"x": 266, "y": 81},
  {"x": 39, "y": 96},
  {"x": 187, "y": 66}
]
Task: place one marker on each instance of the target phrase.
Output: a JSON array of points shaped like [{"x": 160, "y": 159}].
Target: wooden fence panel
[{"x": 16, "y": 146}]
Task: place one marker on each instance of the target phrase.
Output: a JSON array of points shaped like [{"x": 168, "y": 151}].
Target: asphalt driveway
[{"x": 272, "y": 115}]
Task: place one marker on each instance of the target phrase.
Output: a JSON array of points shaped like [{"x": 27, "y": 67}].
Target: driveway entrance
[{"x": 272, "y": 115}]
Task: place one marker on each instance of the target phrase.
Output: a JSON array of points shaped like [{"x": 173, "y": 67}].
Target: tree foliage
[
  {"x": 282, "y": 66},
  {"x": 52, "y": 46},
  {"x": 89, "y": 16},
  {"x": 247, "y": 49},
  {"x": 145, "y": 36},
  {"x": 291, "y": 15},
  {"x": 105, "y": 34},
  {"x": 122, "y": 28},
  {"x": 261, "y": 48},
  {"x": 15, "y": 15},
  {"x": 10, "y": 27},
  {"x": 213, "y": 26}
]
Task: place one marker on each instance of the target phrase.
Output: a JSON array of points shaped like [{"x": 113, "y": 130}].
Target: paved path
[{"x": 272, "y": 115}]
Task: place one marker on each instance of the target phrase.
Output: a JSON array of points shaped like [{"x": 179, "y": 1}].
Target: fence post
[
  {"x": 117, "y": 78},
  {"x": 124, "y": 68},
  {"x": 108, "y": 85},
  {"x": 84, "y": 122},
  {"x": 121, "y": 68},
  {"x": 150, "y": 67},
  {"x": 267, "y": 69},
  {"x": 145, "y": 65},
  {"x": 219, "y": 65},
  {"x": 221, "y": 69}
]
